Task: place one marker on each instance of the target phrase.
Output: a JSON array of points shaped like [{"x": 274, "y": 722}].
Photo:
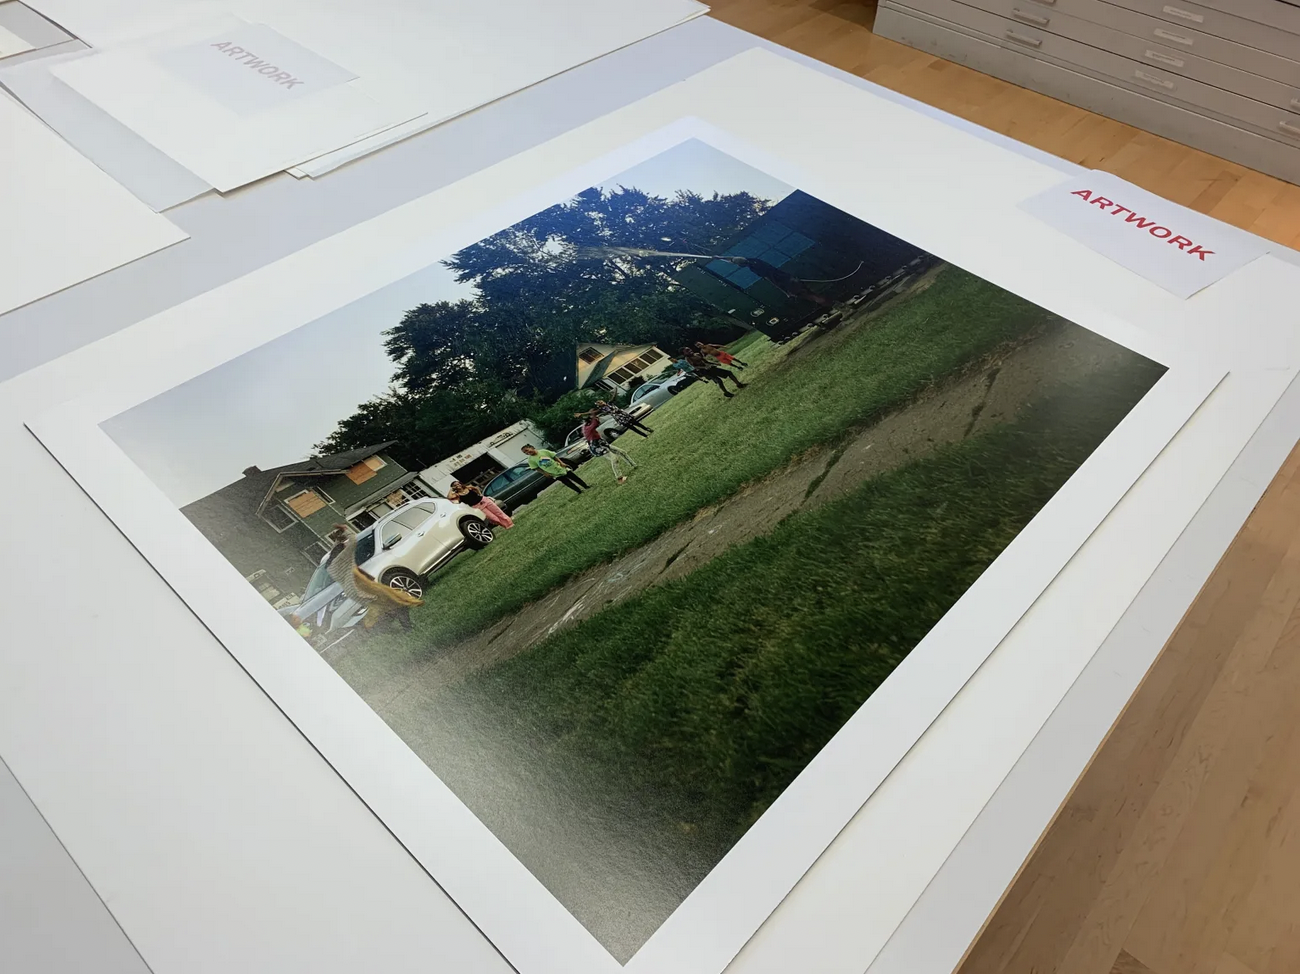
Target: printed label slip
[{"x": 1180, "y": 250}]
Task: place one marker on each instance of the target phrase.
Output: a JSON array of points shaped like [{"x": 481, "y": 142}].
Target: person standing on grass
[
  {"x": 471, "y": 496},
  {"x": 720, "y": 355},
  {"x": 382, "y": 602},
  {"x": 601, "y": 446},
  {"x": 555, "y": 468},
  {"x": 623, "y": 418},
  {"x": 707, "y": 370}
]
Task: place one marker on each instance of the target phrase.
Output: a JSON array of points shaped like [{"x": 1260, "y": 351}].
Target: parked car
[
  {"x": 324, "y": 610},
  {"x": 575, "y": 444},
  {"x": 514, "y": 488},
  {"x": 403, "y": 548},
  {"x": 653, "y": 394}
]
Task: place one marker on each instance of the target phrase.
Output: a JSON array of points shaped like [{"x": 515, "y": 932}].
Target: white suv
[{"x": 403, "y": 548}]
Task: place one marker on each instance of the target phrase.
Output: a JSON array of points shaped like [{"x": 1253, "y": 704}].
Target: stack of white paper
[
  {"x": 64, "y": 220},
  {"x": 226, "y": 99},
  {"x": 279, "y": 84}
]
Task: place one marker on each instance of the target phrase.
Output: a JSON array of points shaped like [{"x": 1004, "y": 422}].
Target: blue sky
[{"x": 270, "y": 406}]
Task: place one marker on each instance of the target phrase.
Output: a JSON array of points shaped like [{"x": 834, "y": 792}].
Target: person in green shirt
[{"x": 555, "y": 468}]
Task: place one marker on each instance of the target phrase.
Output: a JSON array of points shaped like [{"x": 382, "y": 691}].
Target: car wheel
[
  {"x": 404, "y": 581},
  {"x": 478, "y": 534}
]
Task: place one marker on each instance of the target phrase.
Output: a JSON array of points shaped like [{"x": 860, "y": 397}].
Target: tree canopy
[{"x": 464, "y": 369}]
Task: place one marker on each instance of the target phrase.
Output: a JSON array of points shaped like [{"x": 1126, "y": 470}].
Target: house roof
[
  {"x": 615, "y": 356},
  {"x": 256, "y": 487}
]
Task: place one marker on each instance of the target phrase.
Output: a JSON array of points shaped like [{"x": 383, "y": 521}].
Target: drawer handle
[
  {"x": 1153, "y": 80},
  {"x": 1022, "y": 39},
  {"x": 1185, "y": 15},
  {"x": 1288, "y": 128},
  {"x": 1295, "y": 103},
  {"x": 1165, "y": 35},
  {"x": 1169, "y": 59},
  {"x": 1030, "y": 18}
]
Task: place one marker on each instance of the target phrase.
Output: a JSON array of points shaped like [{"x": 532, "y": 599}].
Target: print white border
[{"x": 953, "y": 205}]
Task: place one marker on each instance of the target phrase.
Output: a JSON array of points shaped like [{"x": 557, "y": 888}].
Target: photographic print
[{"x": 617, "y": 515}]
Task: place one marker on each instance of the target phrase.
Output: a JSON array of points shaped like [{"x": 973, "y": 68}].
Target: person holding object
[
  {"x": 382, "y": 603},
  {"x": 471, "y": 496},
  {"x": 600, "y": 446},
  {"x": 555, "y": 468},
  {"x": 707, "y": 370},
  {"x": 623, "y": 418},
  {"x": 720, "y": 355}
]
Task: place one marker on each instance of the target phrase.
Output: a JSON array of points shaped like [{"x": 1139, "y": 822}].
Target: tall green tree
[{"x": 466, "y": 368}]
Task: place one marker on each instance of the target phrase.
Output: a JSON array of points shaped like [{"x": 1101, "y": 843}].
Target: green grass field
[
  {"x": 709, "y": 694},
  {"x": 706, "y": 447}
]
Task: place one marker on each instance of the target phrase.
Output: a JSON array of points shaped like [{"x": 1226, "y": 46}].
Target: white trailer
[{"x": 479, "y": 463}]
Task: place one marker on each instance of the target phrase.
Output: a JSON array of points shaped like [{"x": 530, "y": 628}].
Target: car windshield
[
  {"x": 645, "y": 389},
  {"x": 319, "y": 579},
  {"x": 365, "y": 546},
  {"x": 501, "y": 479}
]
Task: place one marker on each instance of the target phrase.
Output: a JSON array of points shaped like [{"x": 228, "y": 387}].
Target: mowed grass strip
[
  {"x": 708, "y": 695},
  {"x": 705, "y": 447}
]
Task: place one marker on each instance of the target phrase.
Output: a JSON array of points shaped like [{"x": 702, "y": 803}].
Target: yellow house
[{"x": 618, "y": 368}]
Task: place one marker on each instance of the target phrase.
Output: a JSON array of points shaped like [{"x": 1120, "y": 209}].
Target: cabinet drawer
[
  {"x": 1164, "y": 56},
  {"x": 1274, "y": 13},
  {"x": 1266, "y": 119},
  {"x": 1220, "y": 24},
  {"x": 1176, "y": 37},
  {"x": 897, "y": 21}
]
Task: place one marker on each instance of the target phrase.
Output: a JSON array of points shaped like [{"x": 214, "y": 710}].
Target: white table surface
[{"x": 363, "y": 904}]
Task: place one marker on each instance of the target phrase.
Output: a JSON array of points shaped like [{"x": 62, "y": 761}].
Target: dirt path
[{"x": 985, "y": 398}]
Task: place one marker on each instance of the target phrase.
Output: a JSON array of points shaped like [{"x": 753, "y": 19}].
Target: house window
[
  {"x": 414, "y": 491},
  {"x": 306, "y": 503},
  {"x": 619, "y": 376},
  {"x": 590, "y": 356},
  {"x": 279, "y": 518},
  {"x": 652, "y": 355},
  {"x": 315, "y": 551},
  {"x": 364, "y": 470},
  {"x": 363, "y": 520}
]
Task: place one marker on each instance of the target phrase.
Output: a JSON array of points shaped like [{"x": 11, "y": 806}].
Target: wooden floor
[{"x": 1178, "y": 851}]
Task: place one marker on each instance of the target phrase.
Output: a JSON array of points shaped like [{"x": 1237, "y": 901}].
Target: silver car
[
  {"x": 655, "y": 393},
  {"x": 403, "y": 548}
]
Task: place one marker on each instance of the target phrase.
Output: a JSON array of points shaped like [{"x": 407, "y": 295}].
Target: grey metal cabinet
[{"x": 1221, "y": 75}]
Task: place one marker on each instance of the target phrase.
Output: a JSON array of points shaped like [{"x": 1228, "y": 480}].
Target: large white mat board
[
  {"x": 445, "y": 57},
  {"x": 64, "y": 219},
  {"x": 936, "y": 212},
  {"x": 242, "y": 820},
  {"x": 151, "y": 175},
  {"x": 11, "y": 44},
  {"x": 457, "y": 58},
  {"x": 225, "y": 149},
  {"x": 22, "y": 20},
  {"x": 103, "y": 23}
]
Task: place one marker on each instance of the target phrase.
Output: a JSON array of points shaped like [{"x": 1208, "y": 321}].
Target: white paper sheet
[
  {"x": 253, "y": 69},
  {"x": 1180, "y": 250},
  {"x": 153, "y": 177},
  {"x": 446, "y": 56},
  {"x": 453, "y": 57},
  {"x": 64, "y": 219},
  {"x": 103, "y": 23},
  {"x": 11, "y": 43},
  {"x": 223, "y": 148}
]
